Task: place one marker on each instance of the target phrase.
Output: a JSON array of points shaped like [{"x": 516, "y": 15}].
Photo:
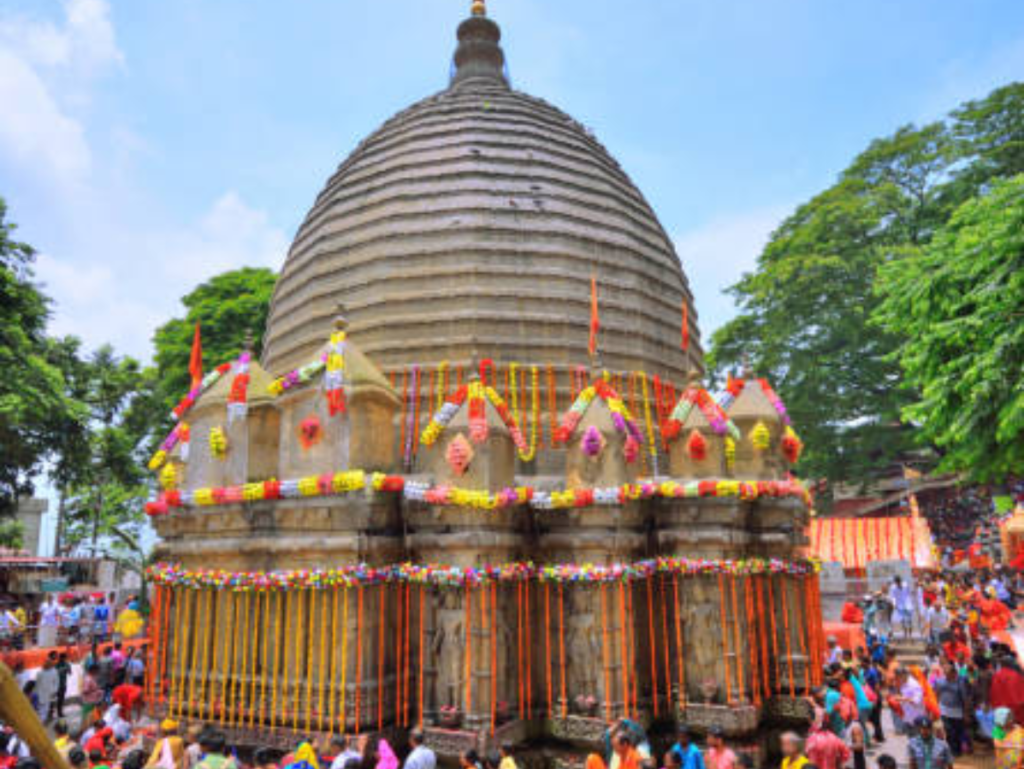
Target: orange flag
[
  {"x": 595, "y": 321},
  {"x": 195, "y": 362},
  {"x": 686, "y": 325}
]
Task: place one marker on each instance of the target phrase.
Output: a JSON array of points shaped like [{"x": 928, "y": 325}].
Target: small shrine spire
[{"x": 479, "y": 54}]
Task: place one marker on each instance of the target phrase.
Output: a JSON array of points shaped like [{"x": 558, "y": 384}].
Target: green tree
[
  {"x": 33, "y": 406},
  {"x": 109, "y": 486},
  {"x": 227, "y": 307},
  {"x": 957, "y": 307},
  {"x": 804, "y": 318},
  {"x": 989, "y": 139}
]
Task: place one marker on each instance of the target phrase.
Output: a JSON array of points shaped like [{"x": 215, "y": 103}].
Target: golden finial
[{"x": 478, "y": 8}]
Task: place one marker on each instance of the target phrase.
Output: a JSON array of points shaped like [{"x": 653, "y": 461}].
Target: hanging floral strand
[{"x": 334, "y": 374}]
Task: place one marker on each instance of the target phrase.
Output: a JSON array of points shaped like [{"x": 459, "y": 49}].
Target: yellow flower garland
[
  {"x": 168, "y": 477},
  {"x": 535, "y": 416},
  {"x": 760, "y": 436},
  {"x": 651, "y": 443},
  {"x": 442, "y": 384},
  {"x": 218, "y": 443}
]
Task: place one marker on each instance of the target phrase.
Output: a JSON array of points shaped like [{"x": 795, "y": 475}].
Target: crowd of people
[
  {"x": 966, "y": 694},
  {"x": 72, "y": 620}
]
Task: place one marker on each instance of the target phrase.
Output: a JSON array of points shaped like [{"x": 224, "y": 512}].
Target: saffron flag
[
  {"x": 195, "y": 361},
  {"x": 686, "y": 325},
  {"x": 595, "y": 321}
]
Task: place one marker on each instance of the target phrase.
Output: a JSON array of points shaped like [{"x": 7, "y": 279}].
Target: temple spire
[{"x": 479, "y": 54}]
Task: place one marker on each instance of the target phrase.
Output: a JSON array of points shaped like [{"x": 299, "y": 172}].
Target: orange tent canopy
[{"x": 855, "y": 542}]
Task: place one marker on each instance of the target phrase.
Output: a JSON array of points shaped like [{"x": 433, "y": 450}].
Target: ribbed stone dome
[{"x": 469, "y": 226}]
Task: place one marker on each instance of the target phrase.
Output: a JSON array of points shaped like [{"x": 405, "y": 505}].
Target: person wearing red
[
  {"x": 825, "y": 750},
  {"x": 1007, "y": 689},
  {"x": 129, "y": 697},
  {"x": 99, "y": 741}
]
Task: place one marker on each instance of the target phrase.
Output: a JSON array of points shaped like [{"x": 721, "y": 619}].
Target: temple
[{"x": 428, "y": 505}]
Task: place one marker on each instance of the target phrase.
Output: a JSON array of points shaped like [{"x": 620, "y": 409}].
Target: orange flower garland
[{"x": 725, "y": 638}]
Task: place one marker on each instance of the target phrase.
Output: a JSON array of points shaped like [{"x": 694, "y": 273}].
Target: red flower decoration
[
  {"x": 310, "y": 431},
  {"x": 697, "y": 446}
]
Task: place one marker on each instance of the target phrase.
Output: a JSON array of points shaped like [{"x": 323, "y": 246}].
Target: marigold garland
[
  {"x": 791, "y": 445},
  {"x": 218, "y": 443},
  {"x": 350, "y": 481},
  {"x": 699, "y": 398},
  {"x": 361, "y": 575},
  {"x": 621, "y": 417},
  {"x": 334, "y": 374},
  {"x": 760, "y": 437},
  {"x": 238, "y": 405},
  {"x": 736, "y": 386}
]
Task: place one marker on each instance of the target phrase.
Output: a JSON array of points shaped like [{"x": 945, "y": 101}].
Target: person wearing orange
[
  {"x": 623, "y": 749},
  {"x": 994, "y": 613}
]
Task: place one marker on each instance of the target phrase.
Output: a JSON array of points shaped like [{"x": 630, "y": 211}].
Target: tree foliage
[
  {"x": 227, "y": 307},
  {"x": 33, "y": 405},
  {"x": 806, "y": 312},
  {"x": 958, "y": 306}
]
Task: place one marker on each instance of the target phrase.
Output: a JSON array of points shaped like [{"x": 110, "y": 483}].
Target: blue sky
[{"x": 146, "y": 145}]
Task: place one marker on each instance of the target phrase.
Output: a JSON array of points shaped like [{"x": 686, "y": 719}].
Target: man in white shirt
[
  {"x": 49, "y": 622},
  {"x": 936, "y": 621},
  {"x": 911, "y": 699},
  {"x": 902, "y": 597},
  {"x": 346, "y": 752},
  {"x": 421, "y": 756}
]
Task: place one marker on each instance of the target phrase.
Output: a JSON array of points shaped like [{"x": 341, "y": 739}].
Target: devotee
[
  {"x": 835, "y": 651},
  {"x": 62, "y": 741},
  {"x": 885, "y": 761},
  {"x": 129, "y": 698},
  {"x": 100, "y": 620},
  {"x": 420, "y": 757},
  {"x": 1007, "y": 688},
  {"x": 169, "y": 751},
  {"x": 624, "y": 752},
  {"x": 468, "y": 759},
  {"x": 792, "y": 751},
  {"x": 386, "y": 758},
  {"x": 265, "y": 758},
  {"x": 77, "y": 758},
  {"x": 193, "y": 748},
  {"x": 1010, "y": 745},
  {"x": 910, "y": 697},
  {"x": 925, "y": 750},
  {"x": 214, "y": 744},
  {"x": 690, "y": 756},
  {"x": 718, "y": 754},
  {"x": 47, "y": 684},
  {"x": 344, "y": 752},
  {"x": 507, "y": 753},
  {"x": 97, "y": 761},
  {"x": 49, "y": 622},
  {"x": 129, "y": 622},
  {"x": 91, "y": 694},
  {"x": 825, "y": 749},
  {"x": 902, "y": 598},
  {"x": 954, "y": 705},
  {"x": 672, "y": 760},
  {"x": 63, "y": 675}
]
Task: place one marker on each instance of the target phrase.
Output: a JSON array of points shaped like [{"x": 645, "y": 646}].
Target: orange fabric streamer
[
  {"x": 494, "y": 656},
  {"x": 680, "y": 650},
  {"x": 775, "y": 635},
  {"x": 653, "y": 650},
  {"x": 382, "y": 599},
  {"x": 631, "y": 642},
  {"x": 762, "y": 632},
  {"x": 468, "y": 629},
  {"x": 398, "y": 648},
  {"x": 802, "y": 633},
  {"x": 755, "y": 678},
  {"x": 736, "y": 635},
  {"x": 529, "y": 653},
  {"x": 519, "y": 648},
  {"x": 625, "y": 649},
  {"x": 405, "y": 671},
  {"x": 422, "y": 666},
  {"x": 561, "y": 647},
  {"x": 606, "y": 663},
  {"x": 547, "y": 645},
  {"x": 725, "y": 638},
  {"x": 789, "y": 649},
  {"x": 359, "y": 657}
]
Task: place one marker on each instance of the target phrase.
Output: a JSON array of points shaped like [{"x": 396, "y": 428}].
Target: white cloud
[
  {"x": 122, "y": 296},
  {"x": 34, "y": 132},
  {"x": 718, "y": 252},
  {"x": 115, "y": 267}
]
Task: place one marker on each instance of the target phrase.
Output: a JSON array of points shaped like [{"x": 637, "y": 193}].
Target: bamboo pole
[{"x": 17, "y": 711}]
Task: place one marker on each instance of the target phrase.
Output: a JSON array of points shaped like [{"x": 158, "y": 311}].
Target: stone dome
[{"x": 469, "y": 226}]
